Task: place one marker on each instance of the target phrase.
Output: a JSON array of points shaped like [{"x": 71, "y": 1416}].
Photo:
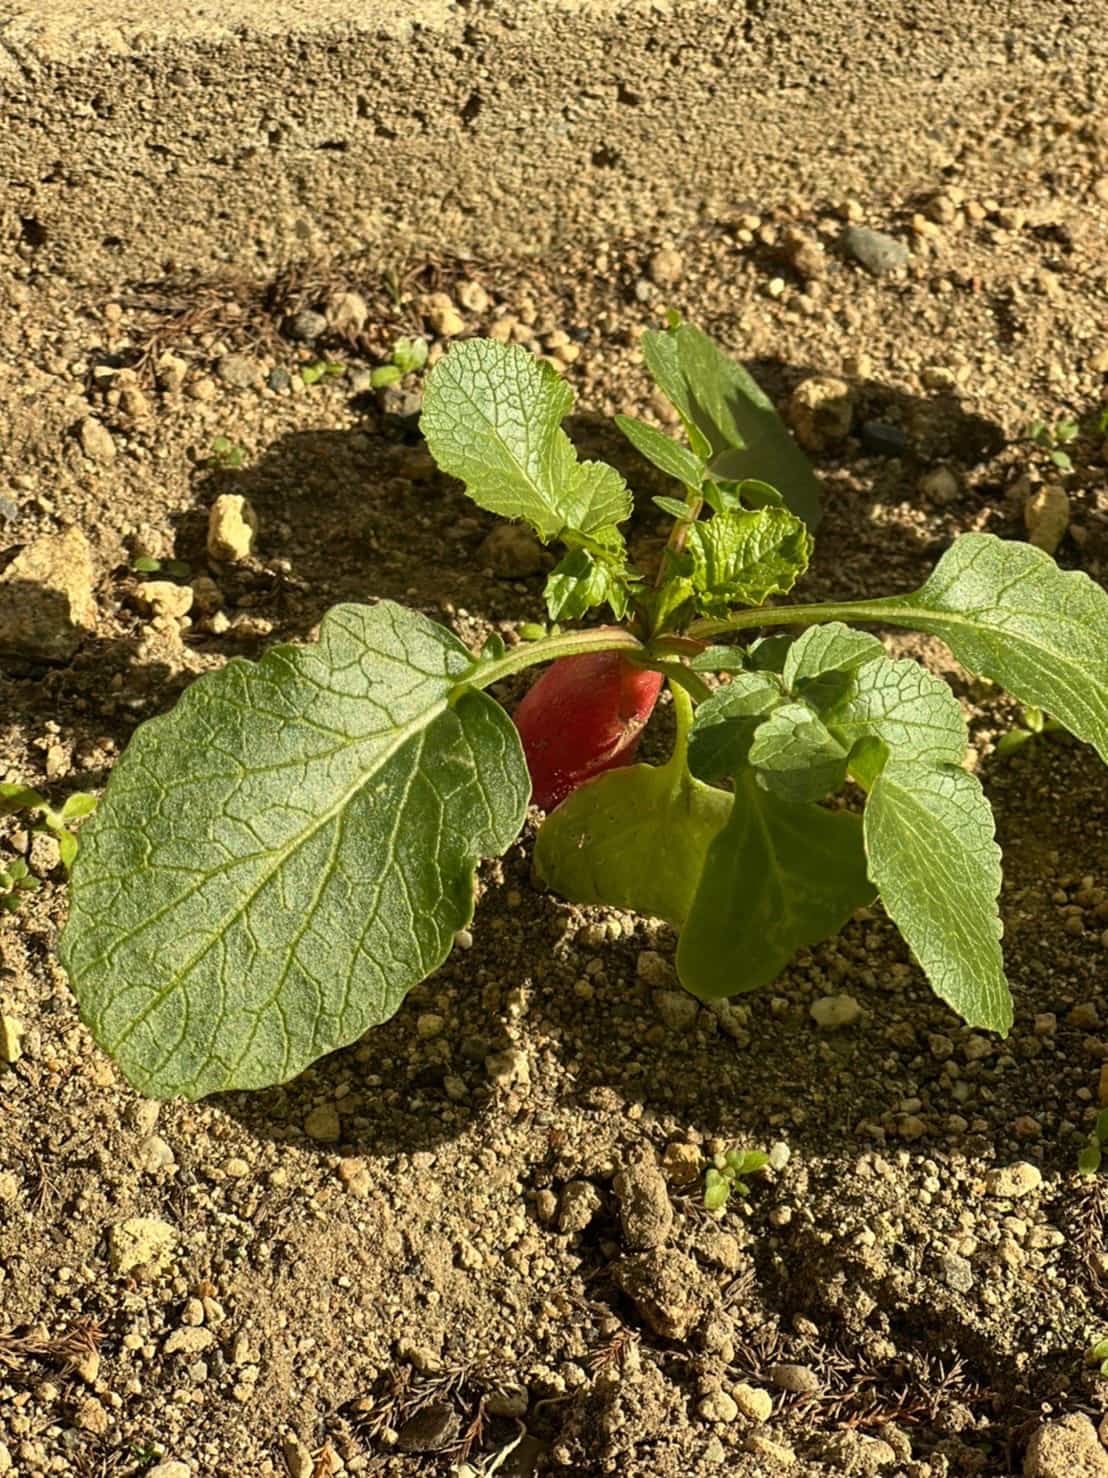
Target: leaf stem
[
  {"x": 680, "y": 530},
  {"x": 567, "y": 644},
  {"x": 879, "y": 611}
]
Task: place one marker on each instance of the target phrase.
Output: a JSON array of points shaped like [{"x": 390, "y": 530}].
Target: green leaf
[
  {"x": 833, "y": 647},
  {"x": 675, "y": 508},
  {"x": 145, "y": 564},
  {"x": 777, "y": 877},
  {"x": 667, "y": 455},
  {"x": 726, "y": 722},
  {"x": 581, "y": 581},
  {"x": 409, "y": 354},
  {"x": 279, "y": 859},
  {"x": 717, "y": 1191},
  {"x": 930, "y": 843},
  {"x": 796, "y": 757},
  {"x": 769, "y": 653},
  {"x": 1014, "y": 739},
  {"x": 720, "y": 659},
  {"x": 635, "y": 837},
  {"x": 1088, "y": 1159},
  {"x": 15, "y": 797},
  {"x": 492, "y": 417},
  {"x": 734, "y": 421},
  {"x": 77, "y": 805},
  {"x": 1101, "y": 1129},
  {"x": 385, "y": 374},
  {"x": 67, "y": 850},
  {"x": 741, "y": 558},
  {"x": 1008, "y": 613},
  {"x": 903, "y": 705}
]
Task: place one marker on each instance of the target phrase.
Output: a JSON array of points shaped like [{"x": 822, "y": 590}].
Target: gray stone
[
  {"x": 677, "y": 1009},
  {"x": 278, "y": 379},
  {"x": 799, "y": 1380},
  {"x": 240, "y": 371},
  {"x": 9, "y": 509},
  {"x": 306, "y": 326},
  {"x": 957, "y": 1272},
  {"x": 429, "y": 1430},
  {"x": 876, "y": 252}
]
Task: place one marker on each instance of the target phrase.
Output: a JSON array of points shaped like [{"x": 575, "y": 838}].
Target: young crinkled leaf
[
  {"x": 635, "y": 838},
  {"x": 777, "y": 877},
  {"x": 278, "y": 860},
  {"x": 729, "y": 420},
  {"x": 492, "y": 416},
  {"x": 796, "y": 757},
  {"x": 742, "y": 557},
  {"x": 726, "y": 723},
  {"x": 931, "y": 849}
]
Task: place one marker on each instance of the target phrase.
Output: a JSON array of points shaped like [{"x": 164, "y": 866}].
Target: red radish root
[{"x": 583, "y": 716}]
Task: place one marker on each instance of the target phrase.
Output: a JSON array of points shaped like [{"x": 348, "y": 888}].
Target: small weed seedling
[
  {"x": 278, "y": 860},
  {"x": 1033, "y": 723},
  {"x": 15, "y": 878},
  {"x": 226, "y": 455},
  {"x": 172, "y": 569},
  {"x": 1089, "y": 1159},
  {"x": 408, "y": 357},
  {"x": 725, "y": 1176},
  {"x": 322, "y": 369},
  {"x": 1098, "y": 1355},
  {"x": 1054, "y": 440}
]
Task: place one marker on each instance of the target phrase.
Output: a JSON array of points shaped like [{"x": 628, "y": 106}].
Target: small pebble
[
  {"x": 753, "y": 1403},
  {"x": 830, "y": 1012},
  {"x": 240, "y": 371},
  {"x": 666, "y": 267},
  {"x": 1014, "y": 1181},
  {"x": 96, "y": 441},
  {"x": 876, "y": 251},
  {"x": 306, "y": 326},
  {"x": 717, "y": 1406}
]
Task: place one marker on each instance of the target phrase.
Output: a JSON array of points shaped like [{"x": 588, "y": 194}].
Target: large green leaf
[
  {"x": 634, "y": 838},
  {"x": 1008, "y": 612},
  {"x": 743, "y": 556},
  {"x": 280, "y": 858},
  {"x": 932, "y": 853},
  {"x": 729, "y": 418},
  {"x": 492, "y": 416},
  {"x": 777, "y": 877}
]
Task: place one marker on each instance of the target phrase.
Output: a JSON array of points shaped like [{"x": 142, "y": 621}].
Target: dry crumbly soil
[{"x": 416, "y": 1257}]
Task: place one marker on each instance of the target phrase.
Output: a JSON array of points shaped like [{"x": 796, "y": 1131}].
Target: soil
[{"x": 417, "y": 1257}]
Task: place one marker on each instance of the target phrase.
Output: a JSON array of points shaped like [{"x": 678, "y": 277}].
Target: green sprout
[
  {"x": 725, "y": 1174},
  {"x": 53, "y": 822},
  {"x": 408, "y": 357},
  {"x": 1054, "y": 439},
  {"x": 1098, "y": 1355},
  {"x": 322, "y": 369},
  {"x": 15, "y": 880},
  {"x": 1033, "y": 722},
  {"x": 226, "y": 455},
  {"x": 1089, "y": 1158}
]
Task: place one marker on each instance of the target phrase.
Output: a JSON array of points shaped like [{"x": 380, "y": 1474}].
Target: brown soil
[{"x": 425, "y": 1292}]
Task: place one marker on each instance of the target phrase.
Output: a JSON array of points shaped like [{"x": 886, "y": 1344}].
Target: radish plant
[{"x": 278, "y": 860}]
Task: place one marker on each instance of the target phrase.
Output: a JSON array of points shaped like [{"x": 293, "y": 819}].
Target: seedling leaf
[
  {"x": 726, "y": 722},
  {"x": 931, "y": 849},
  {"x": 280, "y": 858},
  {"x": 492, "y": 416}
]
